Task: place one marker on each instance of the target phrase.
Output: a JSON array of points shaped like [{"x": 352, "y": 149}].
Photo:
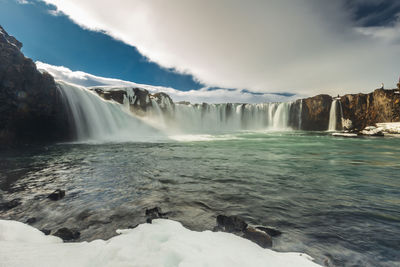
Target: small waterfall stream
[{"x": 332, "y": 116}]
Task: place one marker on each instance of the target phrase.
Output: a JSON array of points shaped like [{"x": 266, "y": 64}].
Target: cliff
[
  {"x": 361, "y": 109},
  {"x": 31, "y": 110},
  {"x": 368, "y": 109}
]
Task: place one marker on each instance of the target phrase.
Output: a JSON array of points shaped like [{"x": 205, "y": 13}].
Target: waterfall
[
  {"x": 332, "y": 116},
  {"x": 157, "y": 116},
  {"x": 300, "y": 112},
  {"x": 101, "y": 120},
  {"x": 214, "y": 118}
]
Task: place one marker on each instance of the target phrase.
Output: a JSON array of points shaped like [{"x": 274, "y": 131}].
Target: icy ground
[{"x": 163, "y": 243}]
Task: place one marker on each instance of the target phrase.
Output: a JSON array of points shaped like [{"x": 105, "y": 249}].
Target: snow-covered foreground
[{"x": 163, "y": 243}]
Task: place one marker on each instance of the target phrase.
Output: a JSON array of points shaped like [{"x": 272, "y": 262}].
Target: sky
[{"x": 274, "y": 49}]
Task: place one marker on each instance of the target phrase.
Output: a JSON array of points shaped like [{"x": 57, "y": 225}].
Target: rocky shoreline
[{"x": 259, "y": 234}]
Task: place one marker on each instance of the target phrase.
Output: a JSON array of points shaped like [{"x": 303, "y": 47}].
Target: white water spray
[{"x": 96, "y": 119}]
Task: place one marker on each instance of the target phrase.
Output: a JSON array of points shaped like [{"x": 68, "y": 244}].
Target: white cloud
[
  {"x": 302, "y": 46},
  {"x": 23, "y": 2},
  {"x": 193, "y": 96}
]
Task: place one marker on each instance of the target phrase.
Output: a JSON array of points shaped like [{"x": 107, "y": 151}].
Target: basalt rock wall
[
  {"x": 315, "y": 112},
  {"x": 31, "y": 109},
  {"x": 368, "y": 109}
]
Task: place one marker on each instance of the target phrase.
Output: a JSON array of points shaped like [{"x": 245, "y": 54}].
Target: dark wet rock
[
  {"x": 155, "y": 213},
  {"x": 269, "y": 230},
  {"x": 133, "y": 226},
  {"x": 9, "y": 205},
  {"x": 315, "y": 112},
  {"x": 67, "y": 234},
  {"x": 31, "y": 107},
  {"x": 31, "y": 220},
  {"x": 231, "y": 223},
  {"x": 57, "y": 195},
  {"x": 45, "y": 231},
  {"x": 259, "y": 237},
  {"x": 83, "y": 215}
]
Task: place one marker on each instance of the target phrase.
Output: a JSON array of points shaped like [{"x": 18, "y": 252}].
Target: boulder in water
[
  {"x": 269, "y": 230},
  {"x": 259, "y": 237},
  {"x": 231, "y": 224},
  {"x": 57, "y": 195},
  {"x": 45, "y": 231},
  {"x": 31, "y": 220},
  {"x": 154, "y": 213},
  {"x": 67, "y": 234},
  {"x": 9, "y": 205}
]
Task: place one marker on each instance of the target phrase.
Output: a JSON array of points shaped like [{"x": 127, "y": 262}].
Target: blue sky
[
  {"x": 258, "y": 47},
  {"x": 57, "y": 40}
]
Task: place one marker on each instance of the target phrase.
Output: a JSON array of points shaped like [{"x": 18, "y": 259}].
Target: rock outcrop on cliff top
[{"x": 31, "y": 109}]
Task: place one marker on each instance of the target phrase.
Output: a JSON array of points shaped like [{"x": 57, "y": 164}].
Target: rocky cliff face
[
  {"x": 311, "y": 114},
  {"x": 368, "y": 109},
  {"x": 31, "y": 109},
  {"x": 361, "y": 109},
  {"x": 140, "y": 100}
]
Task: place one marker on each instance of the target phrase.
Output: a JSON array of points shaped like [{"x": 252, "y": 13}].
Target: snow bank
[
  {"x": 163, "y": 243},
  {"x": 390, "y": 127}
]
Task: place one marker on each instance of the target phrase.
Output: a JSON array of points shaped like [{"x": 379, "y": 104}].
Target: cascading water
[
  {"x": 332, "y": 116},
  {"x": 213, "y": 118},
  {"x": 101, "y": 120},
  {"x": 300, "y": 112}
]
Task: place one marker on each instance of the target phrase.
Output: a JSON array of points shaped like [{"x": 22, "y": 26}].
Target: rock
[
  {"x": 372, "y": 131},
  {"x": 259, "y": 237},
  {"x": 154, "y": 213},
  {"x": 368, "y": 109},
  {"x": 347, "y": 124},
  {"x": 269, "y": 230},
  {"x": 31, "y": 220},
  {"x": 390, "y": 127},
  {"x": 45, "y": 231},
  {"x": 315, "y": 113},
  {"x": 9, "y": 205},
  {"x": 67, "y": 234},
  {"x": 31, "y": 107},
  {"x": 57, "y": 195},
  {"x": 231, "y": 224},
  {"x": 133, "y": 226}
]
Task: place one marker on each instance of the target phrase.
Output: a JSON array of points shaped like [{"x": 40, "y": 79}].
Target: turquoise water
[{"x": 335, "y": 199}]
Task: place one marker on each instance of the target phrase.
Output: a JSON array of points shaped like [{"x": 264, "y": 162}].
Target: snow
[
  {"x": 163, "y": 243},
  {"x": 390, "y": 127}
]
